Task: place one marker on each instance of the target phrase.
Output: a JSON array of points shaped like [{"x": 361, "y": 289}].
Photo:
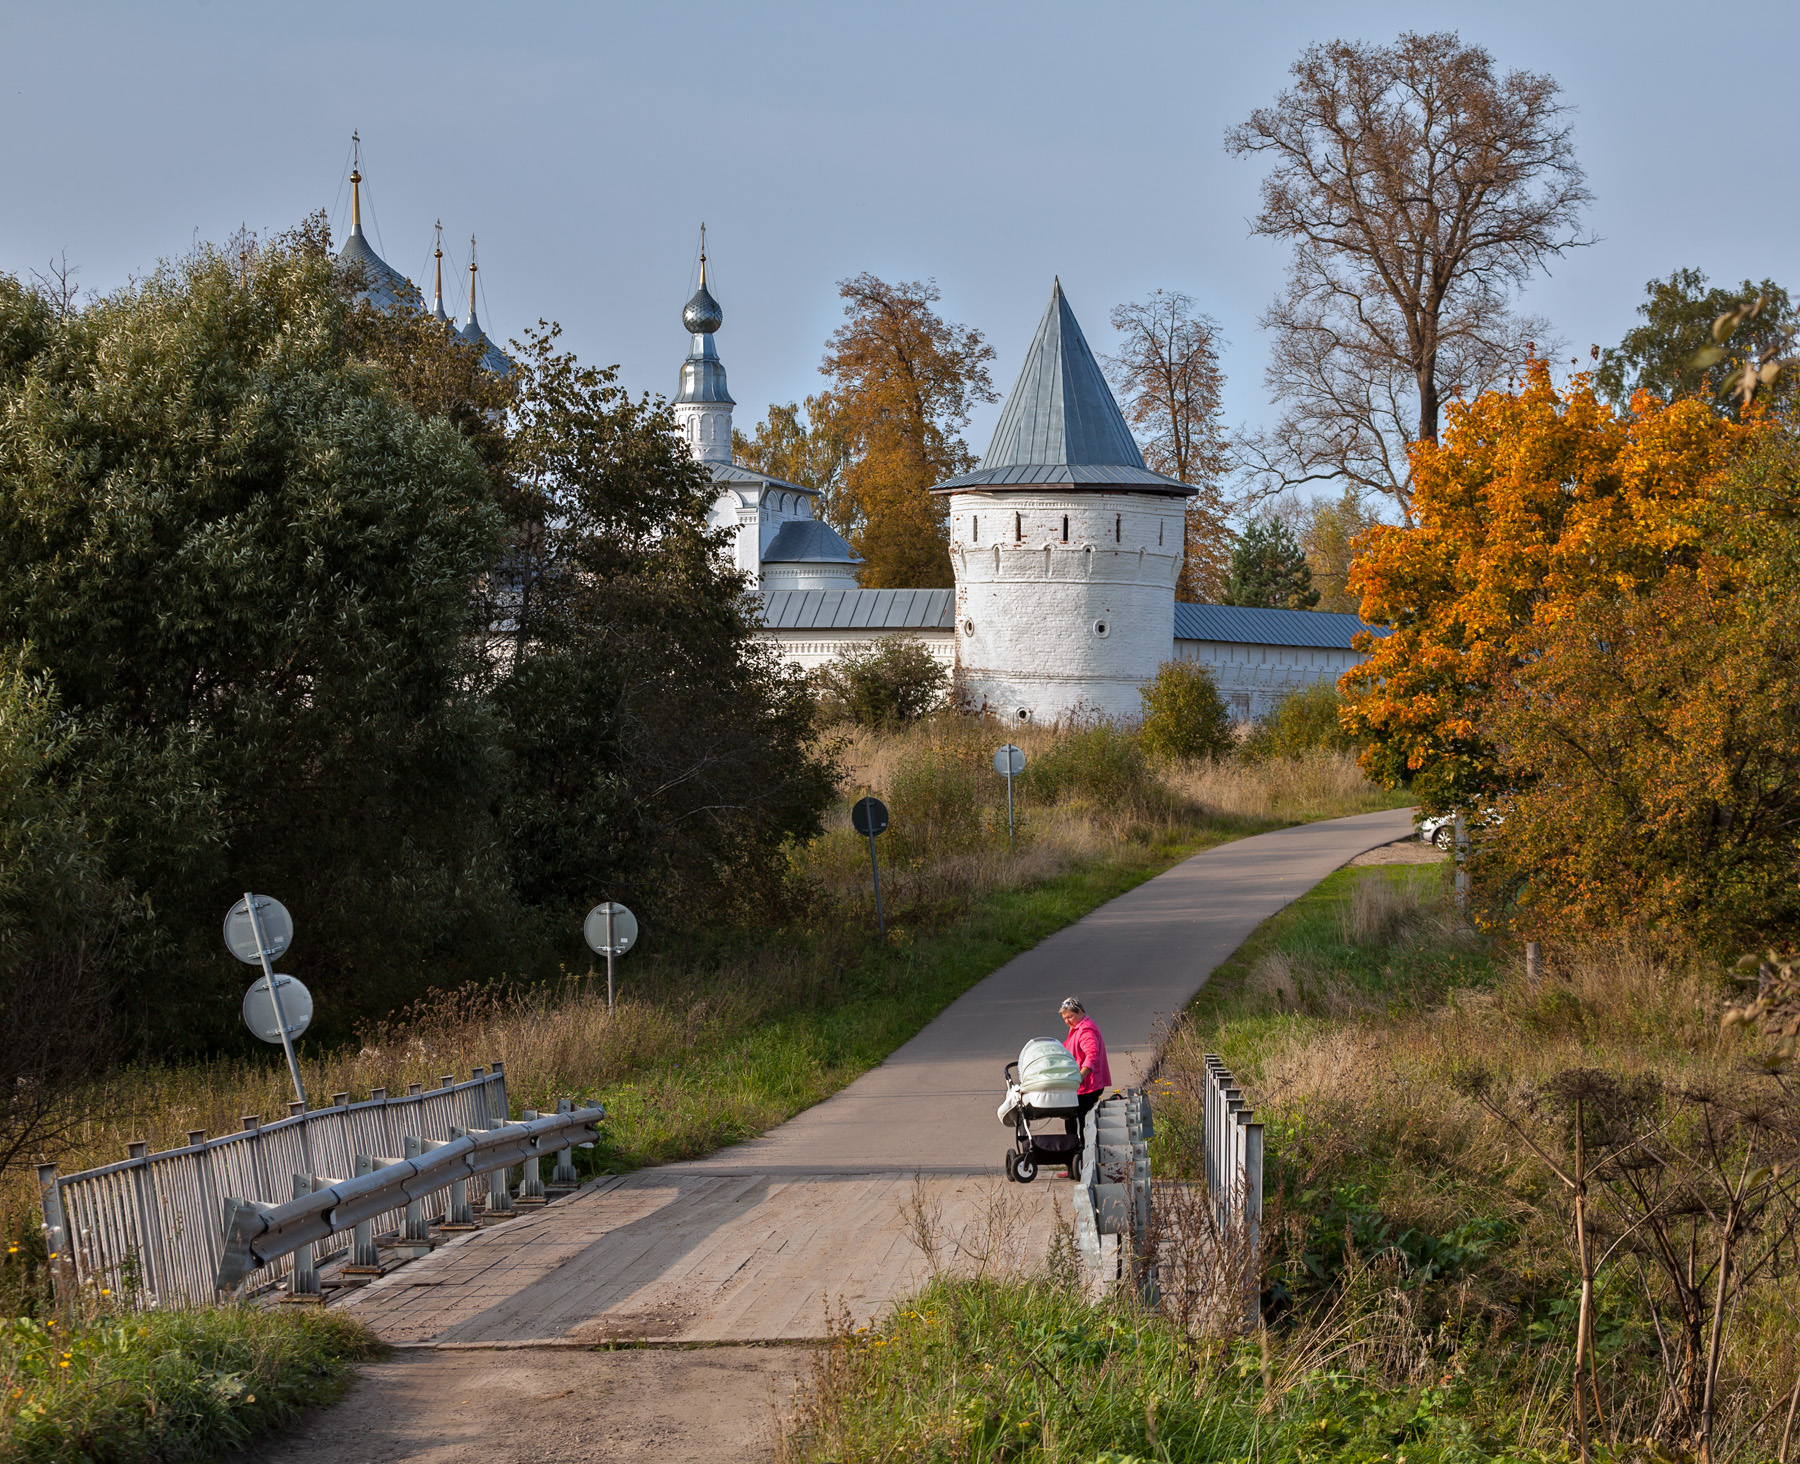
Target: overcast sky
[{"x": 987, "y": 145}]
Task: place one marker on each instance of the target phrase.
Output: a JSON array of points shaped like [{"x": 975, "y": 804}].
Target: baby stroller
[{"x": 1040, "y": 1086}]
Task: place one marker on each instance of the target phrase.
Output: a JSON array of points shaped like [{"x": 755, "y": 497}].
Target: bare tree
[
  {"x": 1419, "y": 189},
  {"x": 1167, "y": 371},
  {"x": 58, "y": 286}
]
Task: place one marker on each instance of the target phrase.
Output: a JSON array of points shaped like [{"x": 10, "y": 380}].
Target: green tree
[
  {"x": 1184, "y": 714},
  {"x": 1678, "y": 313},
  {"x": 658, "y": 752},
  {"x": 890, "y": 681},
  {"x": 245, "y": 562},
  {"x": 1305, "y": 720},
  {"x": 904, "y": 381},
  {"x": 1269, "y": 569}
]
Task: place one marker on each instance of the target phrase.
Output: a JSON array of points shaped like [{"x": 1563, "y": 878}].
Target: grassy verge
[
  {"x": 166, "y": 1386},
  {"x": 1420, "y": 1276}
]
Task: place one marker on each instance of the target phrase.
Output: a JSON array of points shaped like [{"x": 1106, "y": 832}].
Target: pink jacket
[{"x": 1088, "y": 1048}]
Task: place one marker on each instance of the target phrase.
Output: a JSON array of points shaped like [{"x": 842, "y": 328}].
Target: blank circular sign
[
  {"x": 1009, "y": 761},
  {"x": 240, "y": 933},
  {"x": 259, "y": 1008},
  {"x": 624, "y": 929},
  {"x": 869, "y": 817}
]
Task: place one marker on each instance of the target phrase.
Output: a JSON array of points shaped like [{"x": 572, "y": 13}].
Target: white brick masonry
[
  {"x": 1253, "y": 678},
  {"x": 1065, "y": 601}
]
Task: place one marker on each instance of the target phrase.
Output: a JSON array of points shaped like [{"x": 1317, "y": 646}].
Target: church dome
[
  {"x": 374, "y": 280},
  {"x": 702, "y": 315}
]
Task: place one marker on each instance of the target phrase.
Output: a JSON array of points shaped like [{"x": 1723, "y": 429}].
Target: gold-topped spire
[
  {"x": 355, "y": 183},
  {"x": 437, "y": 254},
  {"x": 471, "y": 277},
  {"x": 703, "y": 254}
]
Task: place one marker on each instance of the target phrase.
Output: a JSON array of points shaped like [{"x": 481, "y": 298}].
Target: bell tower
[{"x": 703, "y": 404}]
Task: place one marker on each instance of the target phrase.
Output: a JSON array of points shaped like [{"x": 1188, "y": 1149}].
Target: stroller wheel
[
  {"x": 1009, "y": 1161},
  {"x": 1024, "y": 1169}
]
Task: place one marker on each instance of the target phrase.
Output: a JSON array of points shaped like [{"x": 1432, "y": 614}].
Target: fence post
[
  {"x": 415, "y": 1233},
  {"x": 531, "y": 1182},
  {"x": 265, "y": 1187},
  {"x": 152, "y": 1266},
  {"x": 563, "y": 1176},
  {"x": 1534, "y": 961},
  {"x": 56, "y": 1233},
  {"x": 305, "y": 1283},
  {"x": 499, "y": 1106},
  {"x": 365, "y": 1258},
  {"x": 203, "y": 1187},
  {"x": 1253, "y": 1208},
  {"x": 1462, "y": 857},
  {"x": 462, "y": 1213}
]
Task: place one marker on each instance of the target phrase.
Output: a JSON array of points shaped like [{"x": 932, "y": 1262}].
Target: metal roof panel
[
  {"x": 1240, "y": 625},
  {"x": 859, "y": 609}
]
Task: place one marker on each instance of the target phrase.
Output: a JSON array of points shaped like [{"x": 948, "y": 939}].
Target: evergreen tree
[
  {"x": 1269, "y": 569},
  {"x": 1678, "y": 313}
]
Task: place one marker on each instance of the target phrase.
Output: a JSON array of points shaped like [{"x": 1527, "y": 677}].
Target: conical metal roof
[
  {"x": 1061, "y": 411},
  {"x": 1060, "y": 424}
]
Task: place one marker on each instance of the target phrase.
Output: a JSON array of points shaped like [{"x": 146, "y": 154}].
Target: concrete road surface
[{"x": 756, "y": 1243}]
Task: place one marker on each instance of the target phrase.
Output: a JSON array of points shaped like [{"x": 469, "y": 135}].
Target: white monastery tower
[
  {"x": 777, "y": 540},
  {"x": 1065, "y": 546}
]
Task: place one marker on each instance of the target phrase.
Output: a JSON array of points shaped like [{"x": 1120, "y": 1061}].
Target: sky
[{"x": 987, "y": 145}]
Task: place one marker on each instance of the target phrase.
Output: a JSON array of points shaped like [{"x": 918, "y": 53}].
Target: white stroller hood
[
  {"x": 1048, "y": 1078},
  {"x": 1046, "y": 1066}
]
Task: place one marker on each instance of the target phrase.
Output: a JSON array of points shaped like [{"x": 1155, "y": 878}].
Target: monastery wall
[{"x": 1253, "y": 678}]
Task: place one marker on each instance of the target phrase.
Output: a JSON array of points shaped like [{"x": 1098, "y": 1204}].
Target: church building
[{"x": 1064, "y": 546}]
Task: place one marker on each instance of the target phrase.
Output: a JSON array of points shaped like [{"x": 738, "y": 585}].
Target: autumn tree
[
  {"x": 1170, "y": 385},
  {"x": 904, "y": 382},
  {"x": 800, "y": 443},
  {"x": 1418, "y": 187},
  {"x": 1535, "y": 499},
  {"x": 1678, "y": 314},
  {"x": 1269, "y": 570}
]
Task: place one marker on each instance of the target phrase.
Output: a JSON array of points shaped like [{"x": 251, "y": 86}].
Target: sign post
[
  {"x": 610, "y": 930},
  {"x": 1009, "y": 762},
  {"x": 256, "y": 929},
  {"x": 869, "y": 818}
]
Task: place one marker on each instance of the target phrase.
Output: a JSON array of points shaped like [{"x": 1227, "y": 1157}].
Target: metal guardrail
[
  {"x": 257, "y": 1235},
  {"x": 148, "y": 1229},
  {"x": 1113, "y": 1196},
  {"x": 1233, "y": 1152}
]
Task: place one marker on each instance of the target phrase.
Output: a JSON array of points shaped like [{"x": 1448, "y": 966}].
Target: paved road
[{"x": 755, "y": 1243}]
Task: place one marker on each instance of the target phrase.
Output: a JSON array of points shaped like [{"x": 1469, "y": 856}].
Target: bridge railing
[
  {"x": 148, "y": 1231},
  {"x": 1233, "y": 1153}
]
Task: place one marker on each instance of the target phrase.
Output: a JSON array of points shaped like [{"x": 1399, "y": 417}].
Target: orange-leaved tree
[{"x": 1533, "y": 500}]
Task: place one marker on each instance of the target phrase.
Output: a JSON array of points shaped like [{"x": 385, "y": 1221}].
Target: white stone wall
[
  {"x": 707, "y": 428},
  {"x": 755, "y": 512},
  {"x": 804, "y": 576},
  {"x": 1065, "y": 601},
  {"x": 810, "y": 649},
  {"x": 1253, "y": 678}
]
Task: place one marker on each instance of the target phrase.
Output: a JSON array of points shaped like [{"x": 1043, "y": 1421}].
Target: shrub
[
  {"x": 938, "y": 794},
  {"x": 1303, "y": 721},
  {"x": 888, "y": 682},
  {"x": 1184, "y": 715},
  {"x": 1099, "y": 764}
]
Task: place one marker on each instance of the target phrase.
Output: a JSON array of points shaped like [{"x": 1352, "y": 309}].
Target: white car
[{"x": 1440, "y": 828}]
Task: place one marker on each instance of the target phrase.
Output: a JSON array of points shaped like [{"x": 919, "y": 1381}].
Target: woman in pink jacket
[{"x": 1088, "y": 1048}]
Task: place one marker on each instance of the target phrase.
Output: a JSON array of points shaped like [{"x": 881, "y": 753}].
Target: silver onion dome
[{"x": 702, "y": 315}]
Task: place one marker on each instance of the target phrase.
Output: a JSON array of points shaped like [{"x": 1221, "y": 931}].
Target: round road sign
[
  {"x": 624, "y": 929},
  {"x": 259, "y": 1008},
  {"x": 869, "y": 817},
  {"x": 240, "y": 933},
  {"x": 1009, "y": 761}
]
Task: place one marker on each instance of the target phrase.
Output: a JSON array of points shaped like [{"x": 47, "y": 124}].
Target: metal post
[
  {"x": 564, "y": 1176},
  {"x": 415, "y": 1230},
  {"x": 56, "y": 1232},
  {"x": 462, "y": 1213},
  {"x": 1462, "y": 856},
  {"x": 365, "y": 1259},
  {"x": 1009, "y": 805},
  {"x": 1534, "y": 961},
  {"x": 262, "y": 952},
  {"x": 875, "y": 864},
  {"x": 609, "y": 955},
  {"x": 306, "y": 1275},
  {"x": 531, "y": 1180}
]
